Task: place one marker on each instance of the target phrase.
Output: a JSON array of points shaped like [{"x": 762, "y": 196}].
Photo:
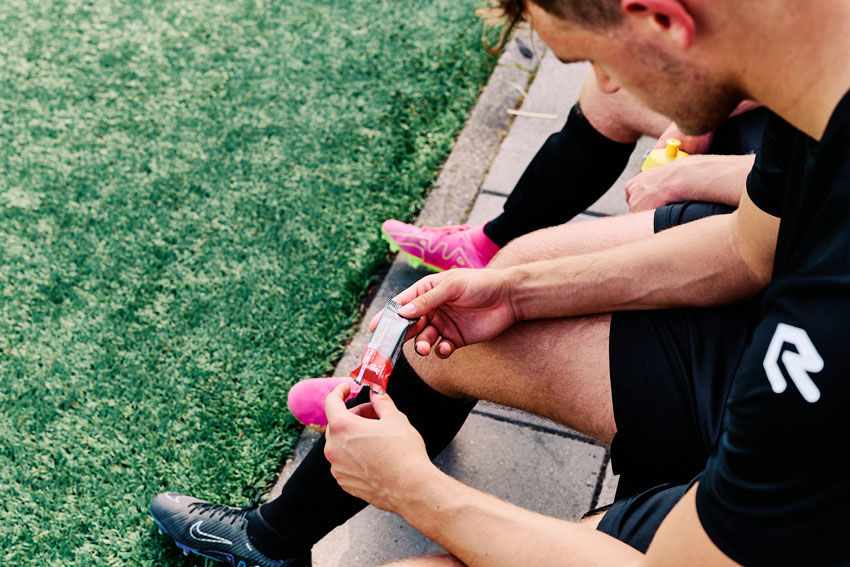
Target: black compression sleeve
[
  {"x": 568, "y": 174},
  {"x": 312, "y": 503}
]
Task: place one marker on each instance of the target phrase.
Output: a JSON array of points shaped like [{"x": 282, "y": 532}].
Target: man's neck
[{"x": 798, "y": 64}]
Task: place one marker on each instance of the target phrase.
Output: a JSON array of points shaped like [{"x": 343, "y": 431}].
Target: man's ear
[{"x": 669, "y": 17}]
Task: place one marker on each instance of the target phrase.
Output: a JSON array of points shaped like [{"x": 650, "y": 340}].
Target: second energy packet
[{"x": 383, "y": 350}]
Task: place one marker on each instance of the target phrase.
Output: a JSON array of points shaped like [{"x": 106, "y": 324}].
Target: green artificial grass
[{"x": 190, "y": 201}]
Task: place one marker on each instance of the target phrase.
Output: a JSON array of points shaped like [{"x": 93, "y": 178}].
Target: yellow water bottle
[{"x": 663, "y": 156}]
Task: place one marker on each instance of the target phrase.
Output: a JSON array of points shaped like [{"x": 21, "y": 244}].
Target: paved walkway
[{"x": 521, "y": 458}]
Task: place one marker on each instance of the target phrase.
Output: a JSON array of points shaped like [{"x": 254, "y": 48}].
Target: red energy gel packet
[{"x": 383, "y": 350}]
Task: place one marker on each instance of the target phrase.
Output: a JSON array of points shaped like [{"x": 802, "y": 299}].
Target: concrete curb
[
  {"x": 451, "y": 200},
  {"x": 498, "y": 448}
]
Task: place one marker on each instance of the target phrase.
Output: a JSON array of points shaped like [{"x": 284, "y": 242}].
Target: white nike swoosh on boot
[{"x": 195, "y": 532}]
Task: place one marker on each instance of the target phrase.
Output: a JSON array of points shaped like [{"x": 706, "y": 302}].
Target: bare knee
[
  {"x": 437, "y": 561},
  {"x": 433, "y": 371},
  {"x": 514, "y": 253},
  {"x": 619, "y": 116},
  {"x": 531, "y": 247},
  {"x": 461, "y": 375},
  {"x": 575, "y": 238}
]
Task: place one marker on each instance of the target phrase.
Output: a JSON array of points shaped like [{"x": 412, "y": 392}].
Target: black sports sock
[
  {"x": 568, "y": 174},
  {"x": 312, "y": 503}
]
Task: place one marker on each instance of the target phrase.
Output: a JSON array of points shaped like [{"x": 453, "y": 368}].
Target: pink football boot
[
  {"x": 440, "y": 248},
  {"x": 306, "y": 399}
]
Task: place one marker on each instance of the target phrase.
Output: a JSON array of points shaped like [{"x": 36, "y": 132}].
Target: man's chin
[
  {"x": 698, "y": 126},
  {"x": 708, "y": 117}
]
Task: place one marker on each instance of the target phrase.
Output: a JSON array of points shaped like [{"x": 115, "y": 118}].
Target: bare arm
[
  {"x": 681, "y": 539},
  {"x": 712, "y": 261},
  {"x": 711, "y": 178},
  {"x": 480, "y": 529},
  {"x": 376, "y": 455}
]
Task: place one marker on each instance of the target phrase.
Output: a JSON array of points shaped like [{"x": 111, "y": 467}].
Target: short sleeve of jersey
[
  {"x": 767, "y": 181},
  {"x": 776, "y": 491}
]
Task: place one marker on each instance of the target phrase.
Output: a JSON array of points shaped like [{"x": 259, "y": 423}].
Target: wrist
[
  {"x": 518, "y": 278},
  {"x": 537, "y": 289},
  {"x": 414, "y": 495},
  {"x": 683, "y": 180}
]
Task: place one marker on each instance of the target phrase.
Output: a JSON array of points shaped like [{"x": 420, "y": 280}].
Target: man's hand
[
  {"x": 712, "y": 178},
  {"x": 373, "y": 450},
  {"x": 457, "y": 308},
  {"x": 658, "y": 186}
]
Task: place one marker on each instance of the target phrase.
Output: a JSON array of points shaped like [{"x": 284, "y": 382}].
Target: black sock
[
  {"x": 568, "y": 174},
  {"x": 312, "y": 503}
]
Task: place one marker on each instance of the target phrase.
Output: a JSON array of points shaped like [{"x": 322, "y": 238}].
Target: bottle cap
[
  {"x": 663, "y": 156},
  {"x": 673, "y": 148}
]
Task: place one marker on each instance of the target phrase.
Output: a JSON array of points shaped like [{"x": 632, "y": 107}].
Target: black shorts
[
  {"x": 671, "y": 371},
  {"x": 680, "y": 213}
]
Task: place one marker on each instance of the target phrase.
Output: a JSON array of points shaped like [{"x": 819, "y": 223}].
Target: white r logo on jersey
[{"x": 797, "y": 364}]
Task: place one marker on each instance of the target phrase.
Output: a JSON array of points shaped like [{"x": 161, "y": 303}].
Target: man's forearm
[
  {"x": 709, "y": 178},
  {"x": 482, "y": 530},
  {"x": 698, "y": 264},
  {"x": 716, "y": 178}
]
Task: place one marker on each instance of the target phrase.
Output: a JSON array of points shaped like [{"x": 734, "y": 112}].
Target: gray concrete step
[{"x": 527, "y": 460}]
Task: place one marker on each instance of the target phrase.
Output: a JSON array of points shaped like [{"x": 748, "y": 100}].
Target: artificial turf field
[{"x": 190, "y": 198}]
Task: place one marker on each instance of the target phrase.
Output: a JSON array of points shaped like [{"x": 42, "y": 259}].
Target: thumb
[
  {"x": 628, "y": 188},
  {"x": 383, "y": 405},
  {"x": 335, "y": 402},
  {"x": 631, "y": 202},
  {"x": 425, "y": 303}
]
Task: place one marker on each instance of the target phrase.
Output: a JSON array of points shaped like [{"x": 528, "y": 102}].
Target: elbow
[
  {"x": 750, "y": 279},
  {"x": 759, "y": 275},
  {"x": 755, "y": 252},
  {"x": 762, "y": 277},
  {"x": 643, "y": 561},
  {"x": 759, "y": 268}
]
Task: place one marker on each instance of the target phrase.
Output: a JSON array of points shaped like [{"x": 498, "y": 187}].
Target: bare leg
[
  {"x": 575, "y": 238},
  {"x": 619, "y": 116},
  {"x": 622, "y": 118},
  {"x": 555, "y": 368},
  {"x": 575, "y": 166},
  {"x": 436, "y": 561}
]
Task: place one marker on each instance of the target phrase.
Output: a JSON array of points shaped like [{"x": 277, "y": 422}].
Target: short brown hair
[{"x": 592, "y": 14}]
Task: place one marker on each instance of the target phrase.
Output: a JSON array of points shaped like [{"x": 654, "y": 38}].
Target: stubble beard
[
  {"x": 695, "y": 99},
  {"x": 709, "y": 109}
]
